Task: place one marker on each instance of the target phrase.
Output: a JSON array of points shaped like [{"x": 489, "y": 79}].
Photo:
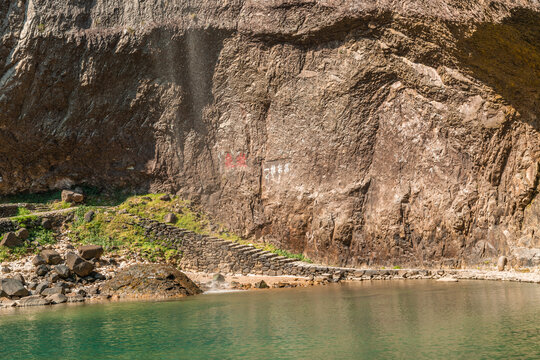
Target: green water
[{"x": 369, "y": 320}]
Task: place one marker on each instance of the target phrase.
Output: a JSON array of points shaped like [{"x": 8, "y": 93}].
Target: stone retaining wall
[
  {"x": 56, "y": 217},
  {"x": 210, "y": 254},
  {"x": 202, "y": 253},
  {"x": 8, "y": 210}
]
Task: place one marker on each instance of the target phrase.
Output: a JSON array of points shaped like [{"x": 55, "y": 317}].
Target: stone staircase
[{"x": 210, "y": 254}]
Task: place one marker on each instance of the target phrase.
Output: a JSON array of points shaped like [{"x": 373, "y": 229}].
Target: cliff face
[{"x": 354, "y": 131}]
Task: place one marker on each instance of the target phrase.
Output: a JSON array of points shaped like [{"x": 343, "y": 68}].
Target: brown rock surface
[
  {"x": 78, "y": 265},
  {"x": 51, "y": 257},
  {"x": 72, "y": 197},
  {"x": 356, "y": 132},
  {"x": 150, "y": 281},
  {"x": 10, "y": 240},
  {"x": 89, "y": 252}
]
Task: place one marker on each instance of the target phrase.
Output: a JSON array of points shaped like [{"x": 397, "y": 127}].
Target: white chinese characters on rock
[{"x": 275, "y": 171}]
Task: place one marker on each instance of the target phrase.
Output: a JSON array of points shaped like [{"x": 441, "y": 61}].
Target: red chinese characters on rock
[{"x": 238, "y": 162}]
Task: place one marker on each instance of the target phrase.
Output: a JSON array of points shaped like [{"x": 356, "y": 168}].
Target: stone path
[{"x": 203, "y": 253}]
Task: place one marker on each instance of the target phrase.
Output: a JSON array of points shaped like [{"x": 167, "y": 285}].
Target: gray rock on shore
[
  {"x": 51, "y": 257},
  {"x": 501, "y": 263},
  {"x": 13, "y": 287},
  {"x": 34, "y": 300},
  {"x": 78, "y": 265},
  {"x": 57, "y": 298}
]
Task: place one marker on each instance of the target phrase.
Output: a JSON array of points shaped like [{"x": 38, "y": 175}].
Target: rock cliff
[{"x": 355, "y": 131}]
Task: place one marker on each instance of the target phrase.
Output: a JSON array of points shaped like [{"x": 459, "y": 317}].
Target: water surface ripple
[{"x": 368, "y": 320}]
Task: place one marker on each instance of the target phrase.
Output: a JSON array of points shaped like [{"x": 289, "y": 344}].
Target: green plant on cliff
[
  {"x": 37, "y": 236},
  {"x": 25, "y": 220},
  {"x": 119, "y": 232},
  {"x": 151, "y": 207},
  {"x": 21, "y": 211},
  {"x": 13, "y": 253}
]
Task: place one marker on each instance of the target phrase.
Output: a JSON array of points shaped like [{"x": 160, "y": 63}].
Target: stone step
[
  {"x": 287, "y": 260},
  {"x": 254, "y": 252},
  {"x": 238, "y": 247},
  {"x": 245, "y": 248},
  {"x": 268, "y": 255}
]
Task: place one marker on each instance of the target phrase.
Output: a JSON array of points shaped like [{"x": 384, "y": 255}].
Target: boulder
[
  {"x": 501, "y": 263},
  {"x": 218, "y": 278},
  {"x": 150, "y": 280},
  {"x": 38, "y": 260},
  {"x": 11, "y": 240},
  {"x": 98, "y": 276},
  {"x": 6, "y": 302},
  {"x": 89, "y": 216},
  {"x": 22, "y": 234},
  {"x": 20, "y": 278},
  {"x": 89, "y": 252},
  {"x": 72, "y": 197},
  {"x": 42, "y": 270},
  {"x": 57, "y": 299},
  {"x": 165, "y": 197},
  {"x": 62, "y": 271},
  {"x": 72, "y": 298},
  {"x": 170, "y": 218},
  {"x": 78, "y": 265},
  {"x": 51, "y": 257},
  {"x": 42, "y": 286},
  {"x": 34, "y": 300},
  {"x": 53, "y": 290},
  {"x": 261, "y": 285},
  {"x": 46, "y": 223},
  {"x": 13, "y": 287}
]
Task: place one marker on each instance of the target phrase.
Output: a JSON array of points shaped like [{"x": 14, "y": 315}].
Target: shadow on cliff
[{"x": 506, "y": 57}]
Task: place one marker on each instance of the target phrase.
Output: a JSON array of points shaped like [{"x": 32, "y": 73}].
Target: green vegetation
[
  {"x": 189, "y": 218},
  {"x": 114, "y": 228},
  {"x": 50, "y": 200},
  {"x": 39, "y": 198},
  {"x": 37, "y": 236},
  {"x": 21, "y": 211},
  {"x": 118, "y": 232},
  {"x": 397, "y": 267},
  {"x": 25, "y": 220}
]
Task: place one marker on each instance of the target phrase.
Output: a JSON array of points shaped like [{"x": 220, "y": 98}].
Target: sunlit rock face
[{"x": 354, "y": 131}]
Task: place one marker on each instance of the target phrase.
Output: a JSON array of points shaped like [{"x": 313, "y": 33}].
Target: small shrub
[{"x": 21, "y": 211}]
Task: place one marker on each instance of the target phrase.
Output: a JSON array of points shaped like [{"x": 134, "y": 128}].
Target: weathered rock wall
[{"x": 356, "y": 132}]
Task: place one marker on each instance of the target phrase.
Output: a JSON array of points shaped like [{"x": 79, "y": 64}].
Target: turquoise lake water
[{"x": 369, "y": 320}]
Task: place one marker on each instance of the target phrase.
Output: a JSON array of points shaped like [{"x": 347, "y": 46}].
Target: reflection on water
[{"x": 393, "y": 319}]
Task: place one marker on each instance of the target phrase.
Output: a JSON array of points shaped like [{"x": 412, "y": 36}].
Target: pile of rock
[{"x": 56, "y": 279}]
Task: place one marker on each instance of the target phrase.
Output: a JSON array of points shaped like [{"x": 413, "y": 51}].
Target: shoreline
[{"x": 289, "y": 281}]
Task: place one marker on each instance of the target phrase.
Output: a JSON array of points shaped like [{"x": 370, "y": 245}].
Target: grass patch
[
  {"x": 189, "y": 218},
  {"x": 37, "y": 236},
  {"x": 25, "y": 221},
  {"x": 21, "y": 211},
  {"x": 59, "y": 205},
  {"x": 118, "y": 232}
]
